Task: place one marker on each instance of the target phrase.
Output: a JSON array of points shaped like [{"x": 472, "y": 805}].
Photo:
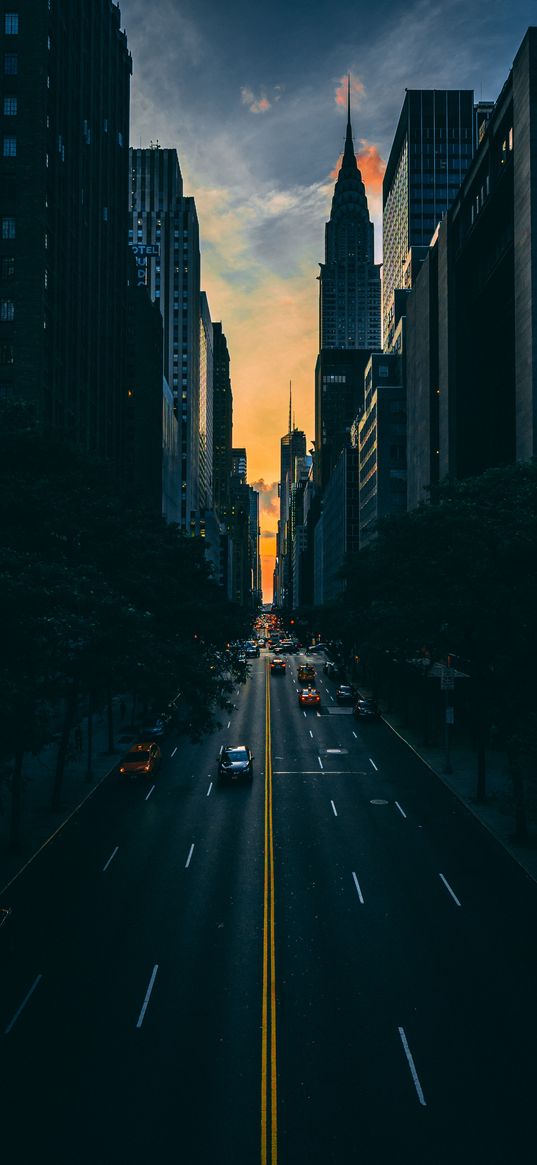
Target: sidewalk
[
  {"x": 39, "y": 822},
  {"x": 496, "y": 813}
]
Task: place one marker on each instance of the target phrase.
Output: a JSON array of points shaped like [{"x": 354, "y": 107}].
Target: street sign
[
  {"x": 447, "y": 679},
  {"x": 145, "y": 249}
]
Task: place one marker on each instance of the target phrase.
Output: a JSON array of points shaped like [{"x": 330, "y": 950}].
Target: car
[
  {"x": 330, "y": 668},
  {"x": 309, "y": 698},
  {"x": 234, "y": 762},
  {"x": 278, "y": 667},
  {"x": 252, "y": 650},
  {"x": 154, "y": 730},
  {"x": 346, "y": 694},
  {"x": 366, "y": 708},
  {"x": 306, "y": 673},
  {"x": 143, "y": 759}
]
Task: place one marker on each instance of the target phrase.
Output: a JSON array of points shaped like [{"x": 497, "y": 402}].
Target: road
[{"x": 336, "y": 964}]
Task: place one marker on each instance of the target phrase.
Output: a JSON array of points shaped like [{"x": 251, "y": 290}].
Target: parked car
[
  {"x": 142, "y": 760},
  {"x": 366, "y": 708},
  {"x": 154, "y": 730},
  {"x": 309, "y": 698},
  {"x": 235, "y": 762},
  {"x": 346, "y": 694}
]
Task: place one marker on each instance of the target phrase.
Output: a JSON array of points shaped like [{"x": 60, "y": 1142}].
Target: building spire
[
  {"x": 348, "y": 101},
  {"x": 349, "y": 155},
  {"x": 290, "y": 404}
]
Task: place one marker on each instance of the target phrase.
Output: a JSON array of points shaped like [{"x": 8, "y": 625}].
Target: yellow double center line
[{"x": 269, "y": 1097}]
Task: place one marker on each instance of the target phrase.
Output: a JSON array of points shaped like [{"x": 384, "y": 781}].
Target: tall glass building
[{"x": 432, "y": 149}]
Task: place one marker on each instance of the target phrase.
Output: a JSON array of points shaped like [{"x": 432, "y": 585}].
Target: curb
[
  {"x": 58, "y": 829},
  {"x": 466, "y": 805}
]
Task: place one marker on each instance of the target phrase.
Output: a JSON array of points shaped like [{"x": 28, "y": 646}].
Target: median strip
[{"x": 269, "y": 1105}]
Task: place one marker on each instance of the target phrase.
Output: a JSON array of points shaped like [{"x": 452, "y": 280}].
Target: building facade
[
  {"x": 472, "y": 316},
  {"x": 63, "y": 212},
  {"x": 349, "y": 305},
  {"x": 382, "y": 445},
  {"x": 432, "y": 149},
  {"x": 222, "y": 423},
  {"x": 206, "y": 406},
  {"x": 164, "y": 221}
]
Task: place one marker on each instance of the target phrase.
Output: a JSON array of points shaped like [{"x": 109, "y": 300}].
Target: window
[
  {"x": 10, "y": 106},
  {"x": 11, "y": 64},
  {"x": 7, "y": 267},
  {"x": 9, "y": 146},
  {"x": 11, "y": 23},
  {"x": 6, "y": 354},
  {"x": 8, "y": 227},
  {"x": 7, "y": 310}
]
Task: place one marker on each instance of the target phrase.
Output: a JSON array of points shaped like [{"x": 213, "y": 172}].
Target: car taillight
[
  {"x": 122, "y": 769},
  {"x": 147, "y": 768}
]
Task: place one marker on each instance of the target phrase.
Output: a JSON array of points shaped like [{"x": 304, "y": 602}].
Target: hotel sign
[{"x": 141, "y": 252}]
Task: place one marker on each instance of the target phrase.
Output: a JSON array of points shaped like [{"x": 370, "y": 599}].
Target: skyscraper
[
  {"x": 432, "y": 149},
  {"x": 350, "y": 279},
  {"x": 63, "y": 209},
  {"x": 222, "y": 423},
  {"x": 206, "y": 405},
  {"x": 166, "y": 221},
  {"x": 292, "y": 449}
]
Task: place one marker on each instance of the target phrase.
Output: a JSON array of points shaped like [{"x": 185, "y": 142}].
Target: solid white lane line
[
  {"x": 357, "y": 884},
  {"x": 147, "y": 996},
  {"x": 320, "y": 762},
  {"x": 209, "y": 789},
  {"x": 13, "y": 1021},
  {"x": 334, "y": 808},
  {"x": 448, "y": 888},
  {"x": 175, "y": 750},
  {"x": 311, "y": 734},
  {"x": 355, "y": 735},
  {"x": 371, "y": 762},
  {"x": 412, "y": 1067},
  {"x": 189, "y": 858},
  {"x": 229, "y": 723},
  {"x": 402, "y": 812},
  {"x": 111, "y": 858}
]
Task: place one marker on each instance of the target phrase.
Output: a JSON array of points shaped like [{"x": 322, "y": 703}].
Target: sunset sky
[{"x": 252, "y": 98}]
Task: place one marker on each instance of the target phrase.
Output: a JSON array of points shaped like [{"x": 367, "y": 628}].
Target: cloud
[
  {"x": 267, "y": 534},
  {"x": 255, "y": 104},
  {"x": 357, "y": 88}
]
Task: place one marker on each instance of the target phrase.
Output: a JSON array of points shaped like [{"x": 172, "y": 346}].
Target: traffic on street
[{"x": 285, "y": 943}]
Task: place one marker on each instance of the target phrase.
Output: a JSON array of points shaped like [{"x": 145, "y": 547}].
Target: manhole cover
[{"x": 378, "y": 802}]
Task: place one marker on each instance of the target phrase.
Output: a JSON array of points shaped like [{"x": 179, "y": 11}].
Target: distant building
[
  {"x": 144, "y": 421},
  {"x": 337, "y": 535},
  {"x": 339, "y": 397},
  {"x": 292, "y": 451},
  {"x": 382, "y": 445},
  {"x": 350, "y": 278},
  {"x": 432, "y": 149},
  {"x": 164, "y": 220},
  {"x": 222, "y": 423},
  {"x": 206, "y": 407},
  {"x": 63, "y": 208}
]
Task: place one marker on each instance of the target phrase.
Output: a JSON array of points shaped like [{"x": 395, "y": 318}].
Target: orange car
[
  {"x": 142, "y": 760},
  {"x": 309, "y": 698}
]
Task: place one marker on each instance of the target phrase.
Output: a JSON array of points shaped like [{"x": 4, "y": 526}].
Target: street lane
[
  {"x": 174, "y": 1084},
  {"x": 406, "y": 1023},
  {"x": 451, "y": 977}
]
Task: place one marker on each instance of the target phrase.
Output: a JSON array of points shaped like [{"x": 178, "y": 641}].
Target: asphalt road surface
[{"x": 336, "y": 964}]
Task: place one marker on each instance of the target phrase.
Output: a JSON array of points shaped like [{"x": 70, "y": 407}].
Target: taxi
[
  {"x": 309, "y": 698},
  {"x": 142, "y": 760}
]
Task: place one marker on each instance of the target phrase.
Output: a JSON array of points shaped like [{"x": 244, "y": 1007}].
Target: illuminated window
[
  {"x": 7, "y": 310},
  {"x": 10, "y": 147},
  {"x": 10, "y": 106},
  {"x": 11, "y": 64},
  {"x": 11, "y": 23},
  {"x": 8, "y": 227}
]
